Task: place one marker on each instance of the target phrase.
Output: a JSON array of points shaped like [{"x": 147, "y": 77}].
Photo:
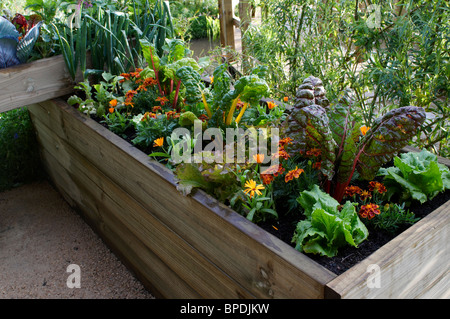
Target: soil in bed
[{"x": 348, "y": 256}]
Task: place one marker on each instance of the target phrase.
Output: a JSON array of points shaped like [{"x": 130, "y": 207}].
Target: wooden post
[
  {"x": 226, "y": 23},
  {"x": 245, "y": 18}
]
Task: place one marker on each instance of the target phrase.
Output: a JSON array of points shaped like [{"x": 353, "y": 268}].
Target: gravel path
[{"x": 40, "y": 236}]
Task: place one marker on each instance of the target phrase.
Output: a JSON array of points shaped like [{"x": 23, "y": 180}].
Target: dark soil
[{"x": 350, "y": 256}]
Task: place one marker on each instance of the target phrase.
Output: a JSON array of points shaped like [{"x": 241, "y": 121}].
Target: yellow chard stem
[
  {"x": 230, "y": 113},
  {"x": 206, "y": 106},
  {"x": 241, "y": 113}
]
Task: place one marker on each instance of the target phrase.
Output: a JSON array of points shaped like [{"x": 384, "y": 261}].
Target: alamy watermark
[
  {"x": 74, "y": 279},
  {"x": 374, "y": 279},
  {"x": 231, "y": 145}
]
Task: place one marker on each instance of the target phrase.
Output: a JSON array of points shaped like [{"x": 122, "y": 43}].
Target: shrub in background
[{"x": 19, "y": 154}]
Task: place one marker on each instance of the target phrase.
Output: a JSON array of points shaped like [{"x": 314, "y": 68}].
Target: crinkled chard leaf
[
  {"x": 309, "y": 128},
  {"x": 388, "y": 135}
]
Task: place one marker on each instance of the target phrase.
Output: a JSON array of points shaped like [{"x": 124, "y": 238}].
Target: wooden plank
[
  {"x": 151, "y": 232},
  {"x": 34, "y": 82},
  {"x": 260, "y": 262},
  {"x": 149, "y": 268},
  {"x": 412, "y": 265}
]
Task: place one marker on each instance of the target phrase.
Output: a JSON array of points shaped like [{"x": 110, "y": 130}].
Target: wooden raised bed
[
  {"x": 195, "y": 247},
  {"x": 35, "y": 82}
]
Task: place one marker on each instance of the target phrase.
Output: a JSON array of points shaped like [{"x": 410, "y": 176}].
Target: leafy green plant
[
  {"x": 221, "y": 101},
  {"x": 19, "y": 152},
  {"x": 327, "y": 227},
  {"x": 392, "y": 217},
  {"x": 337, "y": 133},
  {"x": 416, "y": 175}
]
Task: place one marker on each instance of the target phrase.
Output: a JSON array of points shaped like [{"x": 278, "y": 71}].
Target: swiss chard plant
[
  {"x": 222, "y": 100},
  {"x": 15, "y": 49},
  {"x": 327, "y": 226},
  {"x": 416, "y": 175},
  {"x": 171, "y": 68},
  {"x": 346, "y": 145}
]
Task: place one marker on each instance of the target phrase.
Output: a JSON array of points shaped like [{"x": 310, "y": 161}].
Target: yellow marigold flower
[
  {"x": 259, "y": 158},
  {"x": 211, "y": 79},
  {"x": 271, "y": 105},
  {"x": 364, "y": 129},
  {"x": 252, "y": 188},
  {"x": 158, "y": 142}
]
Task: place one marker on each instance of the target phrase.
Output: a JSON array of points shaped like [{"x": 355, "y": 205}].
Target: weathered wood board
[
  {"x": 34, "y": 82},
  {"x": 195, "y": 247}
]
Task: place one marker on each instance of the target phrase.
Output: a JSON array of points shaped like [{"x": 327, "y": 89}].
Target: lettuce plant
[
  {"x": 327, "y": 228},
  {"x": 15, "y": 49},
  {"x": 344, "y": 146},
  {"x": 416, "y": 175}
]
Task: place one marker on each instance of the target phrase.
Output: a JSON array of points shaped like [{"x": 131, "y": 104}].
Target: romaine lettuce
[{"x": 327, "y": 228}]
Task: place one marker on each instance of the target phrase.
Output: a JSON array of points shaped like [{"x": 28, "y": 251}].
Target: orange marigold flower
[
  {"x": 281, "y": 153},
  {"x": 316, "y": 152},
  {"x": 271, "y": 105},
  {"x": 162, "y": 100},
  {"x": 369, "y": 211},
  {"x": 365, "y": 195},
  {"x": 148, "y": 115},
  {"x": 158, "y": 142},
  {"x": 274, "y": 170},
  {"x": 113, "y": 103},
  {"x": 317, "y": 165},
  {"x": 350, "y": 191},
  {"x": 111, "y": 110},
  {"x": 376, "y": 186},
  {"x": 267, "y": 178},
  {"x": 156, "y": 108},
  {"x": 203, "y": 117},
  {"x": 285, "y": 99},
  {"x": 285, "y": 141},
  {"x": 252, "y": 188},
  {"x": 259, "y": 158},
  {"x": 172, "y": 114},
  {"x": 295, "y": 173},
  {"x": 364, "y": 129},
  {"x": 150, "y": 82}
]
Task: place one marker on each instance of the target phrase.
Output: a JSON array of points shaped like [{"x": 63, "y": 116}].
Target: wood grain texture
[
  {"x": 224, "y": 243},
  {"x": 414, "y": 264},
  {"x": 34, "y": 82}
]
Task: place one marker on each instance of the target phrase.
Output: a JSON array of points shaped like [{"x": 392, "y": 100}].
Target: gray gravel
[{"x": 40, "y": 236}]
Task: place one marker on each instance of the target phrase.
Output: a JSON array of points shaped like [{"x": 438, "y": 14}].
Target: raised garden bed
[{"x": 196, "y": 247}]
